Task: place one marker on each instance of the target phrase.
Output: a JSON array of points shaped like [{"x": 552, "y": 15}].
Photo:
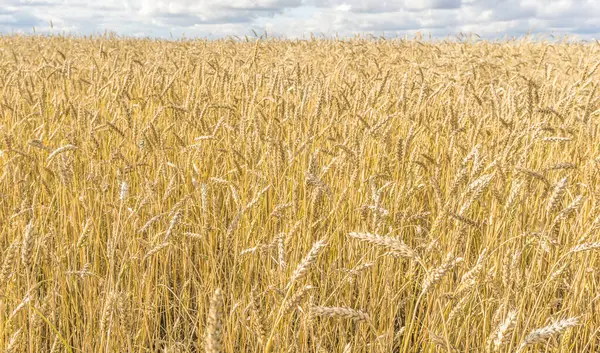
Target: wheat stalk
[
  {"x": 557, "y": 193},
  {"x": 214, "y": 324},
  {"x": 60, "y": 150},
  {"x": 339, "y": 313},
  {"x": 540, "y": 335},
  {"x": 295, "y": 300},
  {"x": 501, "y": 335},
  {"x": 389, "y": 243},
  {"x": 305, "y": 264},
  {"x": 434, "y": 276},
  {"x": 27, "y": 245}
]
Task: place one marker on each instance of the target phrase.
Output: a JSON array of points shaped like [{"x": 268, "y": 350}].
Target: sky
[{"x": 579, "y": 19}]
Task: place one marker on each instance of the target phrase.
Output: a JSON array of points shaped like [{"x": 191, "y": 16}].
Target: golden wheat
[{"x": 238, "y": 195}]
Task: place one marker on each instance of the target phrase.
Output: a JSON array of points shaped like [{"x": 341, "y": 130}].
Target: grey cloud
[
  {"x": 504, "y": 10},
  {"x": 361, "y": 6},
  {"x": 186, "y": 20},
  {"x": 294, "y": 18},
  {"x": 372, "y": 6},
  {"x": 19, "y": 19},
  {"x": 433, "y": 4}
]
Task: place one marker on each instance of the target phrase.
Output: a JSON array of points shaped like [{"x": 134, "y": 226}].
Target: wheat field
[{"x": 319, "y": 195}]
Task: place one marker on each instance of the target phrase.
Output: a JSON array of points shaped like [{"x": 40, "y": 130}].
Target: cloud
[
  {"x": 433, "y": 4},
  {"x": 297, "y": 18}
]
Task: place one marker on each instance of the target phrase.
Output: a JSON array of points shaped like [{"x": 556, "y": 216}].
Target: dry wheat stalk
[
  {"x": 434, "y": 276},
  {"x": 174, "y": 221},
  {"x": 562, "y": 165},
  {"x": 474, "y": 191},
  {"x": 304, "y": 265},
  {"x": 557, "y": 139},
  {"x": 107, "y": 312},
  {"x": 150, "y": 222},
  {"x": 565, "y": 340},
  {"x": 204, "y": 197},
  {"x": 295, "y": 300},
  {"x": 259, "y": 320},
  {"x": 585, "y": 247},
  {"x": 458, "y": 307},
  {"x": 8, "y": 264},
  {"x": 502, "y": 333},
  {"x": 391, "y": 244},
  {"x": 214, "y": 325},
  {"x": 155, "y": 250},
  {"x": 83, "y": 237},
  {"x": 441, "y": 342},
  {"x": 516, "y": 276},
  {"x": 255, "y": 200},
  {"x": 540, "y": 335},
  {"x": 60, "y": 150},
  {"x": 254, "y": 249},
  {"x": 19, "y": 307},
  {"x": 279, "y": 209},
  {"x": 412, "y": 133},
  {"x": 27, "y": 245},
  {"x": 469, "y": 279},
  {"x": 557, "y": 193},
  {"x": 15, "y": 342},
  {"x": 281, "y": 251},
  {"x": 512, "y": 196},
  {"x": 556, "y": 274},
  {"x": 124, "y": 191},
  {"x": 340, "y": 313}
]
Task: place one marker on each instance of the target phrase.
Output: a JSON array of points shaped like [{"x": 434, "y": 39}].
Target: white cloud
[
  {"x": 295, "y": 18},
  {"x": 433, "y": 4}
]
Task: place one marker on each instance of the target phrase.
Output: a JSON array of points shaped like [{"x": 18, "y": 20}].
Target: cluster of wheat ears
[{"x": 363, "y": 195}]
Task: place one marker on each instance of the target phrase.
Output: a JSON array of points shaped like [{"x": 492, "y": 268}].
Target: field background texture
[{"x": 365, "y": 195}]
